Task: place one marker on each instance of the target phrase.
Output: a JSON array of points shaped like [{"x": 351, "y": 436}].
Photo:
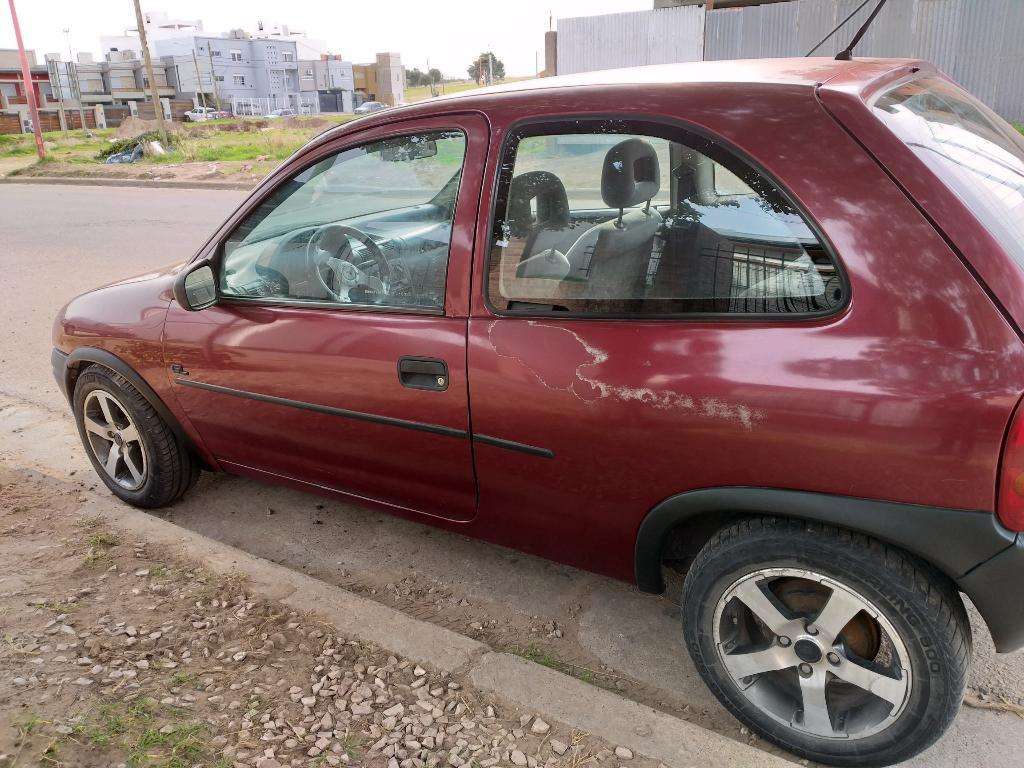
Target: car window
[
  {"x": 370, "y": 225},
  {"x": 621, "y": 221},
  {"x": 971, "y": 149}
]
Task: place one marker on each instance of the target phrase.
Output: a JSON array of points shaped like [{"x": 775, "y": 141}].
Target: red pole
[{"x": 30, "y": 93}]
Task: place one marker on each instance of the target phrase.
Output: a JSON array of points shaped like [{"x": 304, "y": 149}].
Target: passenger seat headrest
[
  {"x": 552, "y": 202},
  {"x": 630, "y": 175}
]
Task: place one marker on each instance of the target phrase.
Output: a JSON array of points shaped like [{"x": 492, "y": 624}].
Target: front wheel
[
  {"x": 832, "y": 645},
  {"x": 132, "y": 449}
]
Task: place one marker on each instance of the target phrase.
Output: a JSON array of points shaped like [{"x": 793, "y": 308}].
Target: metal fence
[
  {"x": 662, "y": 36},
  {"x": 979, "y": 43}
]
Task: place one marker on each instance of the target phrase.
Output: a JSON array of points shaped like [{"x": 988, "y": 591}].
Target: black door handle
[{"x": 423, "y": 373}]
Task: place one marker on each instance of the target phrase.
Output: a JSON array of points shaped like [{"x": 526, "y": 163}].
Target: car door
[
  {"x": 644, "y": 296},
  {"x": 335, "y": 356}
]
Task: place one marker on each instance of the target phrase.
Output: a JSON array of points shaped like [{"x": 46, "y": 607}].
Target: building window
[
  {"x": 612, "y": 218},
  {"x": 236, "y": 55},
  {"x": 309, "y": 73},
  {"x": 238, "y": 79},
  {"x": 289, "y": 56}
]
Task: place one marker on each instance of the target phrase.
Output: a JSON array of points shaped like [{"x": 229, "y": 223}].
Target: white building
[{"x": 158, "y": 26}]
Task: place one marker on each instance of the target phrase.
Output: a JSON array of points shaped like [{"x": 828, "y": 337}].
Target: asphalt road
[{"x": 59, "y": 241}]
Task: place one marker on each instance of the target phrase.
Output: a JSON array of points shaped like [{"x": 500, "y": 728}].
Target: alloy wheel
[
  {"x": 114, "y": 440},
  {"x": 812, "y": 654}
]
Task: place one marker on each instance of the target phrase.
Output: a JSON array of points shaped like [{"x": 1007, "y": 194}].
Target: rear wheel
[
  {"x": 132, "y": 449},
  {"x": 832, "y": 645}
]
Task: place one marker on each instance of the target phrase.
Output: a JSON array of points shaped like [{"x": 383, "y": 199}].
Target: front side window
[
  {"x": 370, "y": 225},
  {"x": 610, "y": 218},
  {"x": 973, "y": 150}
]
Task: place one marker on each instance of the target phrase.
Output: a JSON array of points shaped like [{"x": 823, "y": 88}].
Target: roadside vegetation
[{"x": 236, "y": 149}]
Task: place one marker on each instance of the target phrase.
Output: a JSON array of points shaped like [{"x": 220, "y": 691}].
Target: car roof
[
  {"x": 810, "y": 72},
  {"x": 858, "y": 75}
]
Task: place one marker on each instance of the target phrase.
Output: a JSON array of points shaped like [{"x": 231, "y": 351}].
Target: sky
[{"x": 450, "y": 33}]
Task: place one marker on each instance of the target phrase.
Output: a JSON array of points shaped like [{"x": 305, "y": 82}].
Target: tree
[
  {"x": 488, "y": 61},
  {"x": 415, "y": 76},
  {"x": 434, "y": 75}
]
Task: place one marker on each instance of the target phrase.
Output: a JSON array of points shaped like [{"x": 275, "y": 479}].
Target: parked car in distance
[
  {"x": 201, "y": 114},
  {"x": 370, "y": 106},
  {"x": 612, "y": 320},
  {"x": 283, "y": 112}
]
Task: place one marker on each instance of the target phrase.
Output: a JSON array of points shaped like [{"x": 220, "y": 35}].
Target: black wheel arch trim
[
  {"x": 953, "y": 540},
  {"x": 93, "y": 355}
]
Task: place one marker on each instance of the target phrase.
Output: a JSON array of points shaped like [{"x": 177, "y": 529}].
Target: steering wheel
[{"x": 330, "y": 248}]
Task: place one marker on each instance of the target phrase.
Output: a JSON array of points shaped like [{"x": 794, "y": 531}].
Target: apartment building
[
  {"x": 245, "y": 74},
  {"x": 383, "y": 80}
]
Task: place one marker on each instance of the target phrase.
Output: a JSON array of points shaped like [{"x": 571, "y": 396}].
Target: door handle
[{"x": 423, "y": 373}]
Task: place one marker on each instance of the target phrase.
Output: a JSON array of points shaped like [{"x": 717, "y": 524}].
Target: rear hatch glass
[{"x": 976, "y": 153}]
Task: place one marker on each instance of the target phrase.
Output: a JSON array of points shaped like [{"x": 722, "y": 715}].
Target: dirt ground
[{"x": 112, "y": 654}]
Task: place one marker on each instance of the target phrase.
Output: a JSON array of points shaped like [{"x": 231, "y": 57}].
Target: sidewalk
[{"x": 125, "y": 634}]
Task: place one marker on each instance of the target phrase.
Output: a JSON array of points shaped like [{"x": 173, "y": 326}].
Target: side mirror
[{"x": 195, "y": 287}]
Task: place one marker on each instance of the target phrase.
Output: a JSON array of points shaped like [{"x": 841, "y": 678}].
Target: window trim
[
  {"x": 314, "y": 159},
  {"x": 516, "y": 130}
]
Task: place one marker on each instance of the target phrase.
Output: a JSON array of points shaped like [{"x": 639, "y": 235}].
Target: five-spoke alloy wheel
[
  {"x": 131, "y": 446},
  {"x": 114, "y": 440},
  {"x": 844, "y": 675},
  {"x": 831, "y": 644}
]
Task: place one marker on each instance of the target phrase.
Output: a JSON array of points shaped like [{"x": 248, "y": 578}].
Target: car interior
[
  {"x": 297, "y": 248},
  {"x": 691, "y": 237}
]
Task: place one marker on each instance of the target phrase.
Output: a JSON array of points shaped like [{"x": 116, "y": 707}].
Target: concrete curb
[
  {"x": 525, "y": 684},
  {"x": 88, "y": 181}
]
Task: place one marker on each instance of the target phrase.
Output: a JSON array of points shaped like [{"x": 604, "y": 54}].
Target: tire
[
  {"x": 153, "y": 471},
  {"x": 919, "y": 638}
]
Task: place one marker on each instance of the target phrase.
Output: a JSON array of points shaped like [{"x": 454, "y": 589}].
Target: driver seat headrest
[
  {"x": 552, "y": 202},
  {"x": 631, "y": 174}
]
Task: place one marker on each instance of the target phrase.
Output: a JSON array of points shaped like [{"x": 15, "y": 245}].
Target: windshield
[{"x": 973, "y": 150}]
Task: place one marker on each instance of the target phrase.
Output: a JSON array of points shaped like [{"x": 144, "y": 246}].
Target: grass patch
[
  {"x": 546, "y": 659},
  {"x": 147, "y": 740},
  {"x": 100, "y": 542},
  {"x": 214, "y": 141},
  {"x": 184, "y": 679},
  {"x": 29, "y": 723},
  {"x": 102, "y": 539}
]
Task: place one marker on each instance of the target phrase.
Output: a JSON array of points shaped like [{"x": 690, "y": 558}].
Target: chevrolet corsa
[{"x": 757, "y": 322}]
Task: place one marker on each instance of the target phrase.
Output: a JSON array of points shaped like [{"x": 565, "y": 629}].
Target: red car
[{"x": 759, "y": 322}]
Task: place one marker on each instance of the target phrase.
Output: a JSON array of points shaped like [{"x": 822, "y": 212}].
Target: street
[{"x": 62, "y": 240}]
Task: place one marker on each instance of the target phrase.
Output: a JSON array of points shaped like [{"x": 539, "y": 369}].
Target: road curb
[
  {"x": 88, "y": 181},
  {"x": 36, "y": 436}
]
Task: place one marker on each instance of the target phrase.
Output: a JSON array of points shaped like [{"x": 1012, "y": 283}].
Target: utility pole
[
  {"x": 213, "y": 76},
  {"x": 76, "y": 86},
  {"x": 26, "y": 75},
  {"x": 199, "y": 80},
  {"x": 54, "y": 68},
  {"x": 158, "y": 108}
]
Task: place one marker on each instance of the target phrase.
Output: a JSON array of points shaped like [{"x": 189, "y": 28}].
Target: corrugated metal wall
[
  {"x": 661, "y": 36},
  {"x": 980, "y": 43}
]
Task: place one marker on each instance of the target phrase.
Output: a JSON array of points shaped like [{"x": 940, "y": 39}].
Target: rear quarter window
[{"x": 976, "y": 153}]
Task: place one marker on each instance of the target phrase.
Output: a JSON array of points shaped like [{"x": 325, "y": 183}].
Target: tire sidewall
[
  {"x": 116, "y": 386},
  {"x": 936, "y": 686}
]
